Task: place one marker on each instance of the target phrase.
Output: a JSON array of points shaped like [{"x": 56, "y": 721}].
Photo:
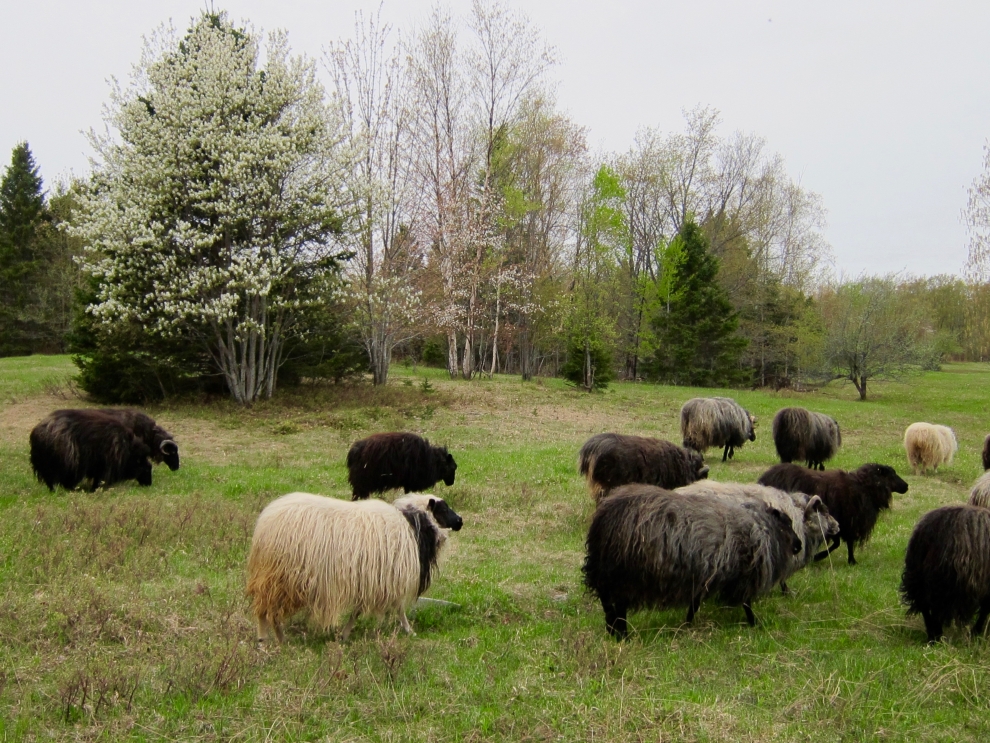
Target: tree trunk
[{"x": 452, "y": 353}]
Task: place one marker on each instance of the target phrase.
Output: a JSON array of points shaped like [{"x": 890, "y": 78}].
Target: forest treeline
[{"x": 246, "y": 226}]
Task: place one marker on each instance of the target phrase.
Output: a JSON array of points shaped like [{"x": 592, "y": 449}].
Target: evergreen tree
[
  {"x": 696, "y": 324},
  {"x": 22, "y": 212}
]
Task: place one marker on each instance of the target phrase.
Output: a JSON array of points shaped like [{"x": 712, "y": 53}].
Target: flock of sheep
[{"x": 662, "y": 535}]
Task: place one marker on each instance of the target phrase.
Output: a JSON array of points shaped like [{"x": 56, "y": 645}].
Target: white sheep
[
  {"x": 929, "y": 445},
  {"x": 336, "y": 557}
]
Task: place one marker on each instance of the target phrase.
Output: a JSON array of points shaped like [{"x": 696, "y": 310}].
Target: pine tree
[
  {"x": 22, "y": 212},
  {"x": 696, "y": 327}
]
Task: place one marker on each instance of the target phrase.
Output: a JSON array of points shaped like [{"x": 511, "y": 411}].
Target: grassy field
[{"x": 123, "y": 616}]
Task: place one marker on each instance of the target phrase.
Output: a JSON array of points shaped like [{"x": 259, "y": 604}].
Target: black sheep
[
  {"x": 854, "y": 499},
  {"x": 986, "y": 453},
  {"x": 70, "y": 446},
  {"x": 609, "y": 460},
  {"x": 397, "y": 460},
  {"x": 648, "y": 547},
  {"x": 947, "y": 568},
  {"x": 162, "y": 444}
]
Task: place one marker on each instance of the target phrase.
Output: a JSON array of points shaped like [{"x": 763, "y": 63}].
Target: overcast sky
[{"x": 880, "y": 107}]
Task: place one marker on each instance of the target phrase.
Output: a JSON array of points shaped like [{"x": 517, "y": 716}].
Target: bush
[{"x": 574, "y": 367}]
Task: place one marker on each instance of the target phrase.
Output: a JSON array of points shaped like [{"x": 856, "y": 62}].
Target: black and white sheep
[
  {"x": 70, "y": 446},
  {"x": 716, "y": 421},
  {"x": 336, "y": 557},
  {"x": 947, "y": 568},
  {"x": 800, "y": 434},
  {"x": 609, "y": 460},
  {"x": 928, "y": 445},
  {"x": 854, "y": 499},
  {"x": 812, "y": 522},
  {"x": 161, "y": 442},
  {"x": 385, "y": 461},
  {"x": 649, "y": 547}
]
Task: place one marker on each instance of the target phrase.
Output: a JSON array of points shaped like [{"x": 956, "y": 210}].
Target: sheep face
[
  {"x": 887, "y": 475},
  {"x": 751, "y": 434},
  {"x": 170, "y": 454},
  {"x": 698, "y": 464},
  {"x": 447, "y": 466},
  {"x": 786, "y": 529},
  {"x": 816, "y": 515},
  {"x": 445, "y": 515}
]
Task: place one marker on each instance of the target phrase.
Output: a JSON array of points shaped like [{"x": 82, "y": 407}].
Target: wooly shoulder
[
  {"x": 337, "y": 557},
  {"x": 979, "y": 495},
  {"x": 71, "y": 446},
  {"x": 716, "y": 421},
  {"x": 947, "y": 568},
  {"x": 649, "y": 547},
  {"x": 609, "y": 460},
  {"x": 929, "y": 445},
  {"x": 812, "y": 522},
  {"x": 161, "y": 442},
  {"x": 801, "y": 434},
  {"x": 397, "y": 460},
  {"x": 854, "y": 499}
]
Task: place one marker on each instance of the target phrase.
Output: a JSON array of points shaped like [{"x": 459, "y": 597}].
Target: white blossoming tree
[{"x": 211, "y": 209}]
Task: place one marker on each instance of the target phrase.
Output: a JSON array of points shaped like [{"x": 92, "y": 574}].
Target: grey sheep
[
  {"x": 649, "y": 547},
  {"x": 716, "y": 421},
  {"x": 800, "y": 434}
]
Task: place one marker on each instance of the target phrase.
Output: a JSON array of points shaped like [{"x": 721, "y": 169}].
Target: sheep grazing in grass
[
  {"x": 610, "y": 460},
  {"x": 716, "y": 421},
  {"x": 649, "y": 547},
  {"x": 397, "y": 460},
  {"x": 337, "y": 557},
  {"x": 71, "y": 446},
  {"x": 986, "y": 453},
  {"x": 854, "y": 499},
  {"x": 947, "y": 568},
  {"x": 812, "y": 522},
  {"x": 161, "y": 442},
  {"x": 800, "y": 434},
  {"x": 979, "y": 495},
  {"x": 929, "y": 445}
]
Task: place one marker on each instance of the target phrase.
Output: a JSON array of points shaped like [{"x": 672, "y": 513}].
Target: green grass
[{"x": 122, "y": 613}]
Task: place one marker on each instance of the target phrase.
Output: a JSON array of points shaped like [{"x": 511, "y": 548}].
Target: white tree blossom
[{"x": 211, "y": 209}]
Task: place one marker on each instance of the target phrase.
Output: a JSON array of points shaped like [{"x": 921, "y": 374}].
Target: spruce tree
[
  {"x": 22, "y": 212},
  {"x": 696, "y": 325}
]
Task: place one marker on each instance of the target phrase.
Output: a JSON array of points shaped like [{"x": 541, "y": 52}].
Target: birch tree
[
  {"x": 369, "y": 79},
  {"x": 213, "y": 204}
]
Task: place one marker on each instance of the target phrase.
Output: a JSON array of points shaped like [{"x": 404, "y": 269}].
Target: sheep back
[
  {"x": 385, "y": 461},
  {"x": 334, "y": 557},
  {"x": 609, "y": 460},
  {"x": 716, "y": 421},
  {"x": 71, "y": 446},
  {"x": 929, "y": 445},
  {"x": 800, "y": 434},
  {"x": 947, "y": 568},
  {"x": 161, "y": 443},
  {"x": 649, "y": 547},
  {"x": 979, "y": 495}
]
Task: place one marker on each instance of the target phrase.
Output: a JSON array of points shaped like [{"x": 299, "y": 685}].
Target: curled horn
[{"x": 169, "y": 447}]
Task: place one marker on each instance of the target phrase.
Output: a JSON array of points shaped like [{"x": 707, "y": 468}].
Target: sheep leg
[
  {"x": 725, "y": 454},
  {"x": 933, "y": 627},
  {"x": 784, "y": 589},
  {"x": 404, "y": 621},
  {"x": 750, "y": 616},
  {"x": 850, "y": 545},
  {"x": 350, "y": 625},
  {"x": 264, "y": 627},
  {"x": 981, "y": 621},
  {"x": 615, "y": 620},
  {"x": 693, "y": 608},
  {"x": 836, "y": 541}
]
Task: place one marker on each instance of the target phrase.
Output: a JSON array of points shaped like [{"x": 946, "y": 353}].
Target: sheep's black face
[
  {"x": 698, "y": 463},
  {"x": 896, "y": 483},
  {"x": 445, "y": 515},
  {"x": 170, "y": 454},
  {"x": 449, "y": 468}
]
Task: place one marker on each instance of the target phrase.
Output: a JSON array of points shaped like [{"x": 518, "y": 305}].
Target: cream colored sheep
[{"x": 929, "y": 445}]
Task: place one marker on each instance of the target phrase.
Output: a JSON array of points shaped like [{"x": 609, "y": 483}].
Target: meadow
[{"x": 123, "y": 615}]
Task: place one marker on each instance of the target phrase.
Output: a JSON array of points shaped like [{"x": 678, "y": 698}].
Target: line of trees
[{"x": 245, "y": 227}]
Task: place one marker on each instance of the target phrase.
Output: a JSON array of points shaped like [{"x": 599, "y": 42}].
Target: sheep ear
[{"x": 432, "y": 504}]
